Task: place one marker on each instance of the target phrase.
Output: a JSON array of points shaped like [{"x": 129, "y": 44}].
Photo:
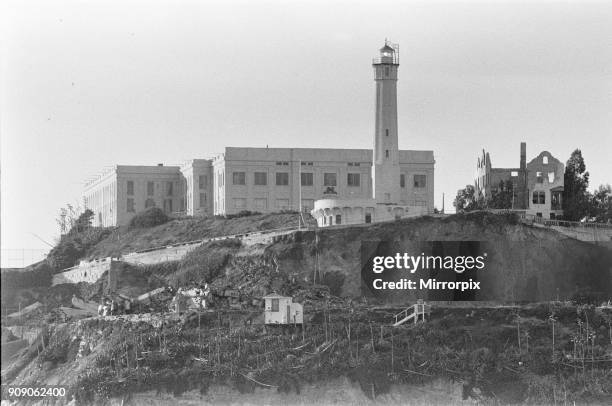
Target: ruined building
[{"x": 536, "y": 186}]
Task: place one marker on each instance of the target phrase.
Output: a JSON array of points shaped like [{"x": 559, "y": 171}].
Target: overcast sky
[{"x": 87, "y": 84}]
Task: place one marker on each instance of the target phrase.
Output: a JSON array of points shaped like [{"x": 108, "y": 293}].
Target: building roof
[{"x": 387, "y": 48}]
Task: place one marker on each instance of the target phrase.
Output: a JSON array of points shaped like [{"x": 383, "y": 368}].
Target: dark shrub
[
  {"x": 63, "y": 255},
  {"x": 74, "y": 246},
  {"x": 334, "y": 281},
  {"x": 243, "y": 213},
  {"x": 150, "y": 217}
]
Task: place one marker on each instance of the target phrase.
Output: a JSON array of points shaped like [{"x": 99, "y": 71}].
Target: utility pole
[{"x": 300, "y": 194}]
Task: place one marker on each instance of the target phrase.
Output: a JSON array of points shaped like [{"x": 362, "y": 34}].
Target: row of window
[
  {"x": 262, "y": 204},
  {"x": 131, "y": 206},
  {"x": 307, "y": 179},
  {"x": 150, "y": 188}
]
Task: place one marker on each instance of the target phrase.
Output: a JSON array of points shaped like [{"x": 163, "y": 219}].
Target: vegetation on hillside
[
  {"x": 151, "y": 217},
  {"x": 530, "y": 355}
]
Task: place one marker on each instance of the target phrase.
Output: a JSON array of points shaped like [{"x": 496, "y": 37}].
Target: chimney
[{"x": 523, "y": 155}]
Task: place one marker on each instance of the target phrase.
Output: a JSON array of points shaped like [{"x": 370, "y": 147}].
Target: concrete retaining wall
[
  {"x": 91, "y": 271},
  {"x": 173, "y": 253},
  {"x": 88, "y": 272}
]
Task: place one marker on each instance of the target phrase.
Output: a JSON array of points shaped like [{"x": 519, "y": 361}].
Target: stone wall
[
  {"x": 88, "y": 272},
  {"x": 172, "y": 253}
]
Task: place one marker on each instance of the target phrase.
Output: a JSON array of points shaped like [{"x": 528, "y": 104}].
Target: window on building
[
  {"x": 275, "y": 305},
  {"x": 545, "y": 160},
  {"x": 353, "y": 179},
  {"x": 282, "y": 204},
  {"x": 307, "y": 204},
  {"x": 329, "y": 179},
  {"x": 150, "y": 188},
  {"x": 282, "y": 178},
  {"x": 555, "y": 200},
  {"x": 202, "y": 181},
  {"x": 368, "y": 218},
  {"x": 386, "y": 153},
  {"x": 239, "y": 203},
  {"x": 261, "y": 178},
  {"x": 514, "y": 173},
  {"x": 538, "y": 197},
  {"x": 386, "y": 71},
  {"x": 539, "y": 177},
  {"x": 130, "y": 187},
  {"x": 261, "y": 204},
  {"x": 168, "y": 205},
  {"x": 306, "y": 163},
  {"x": 387, "y": 132},
  {"x": 307, "y": 178},
  {"x": 202, "y": 199},
  {"x": 402, "y": 180},
  {"x": 551, "y": 177},
  {"x": 420, "y": 181},
  {"x": 130, "y": 206},
  {"x": 338, "y": 219},
  {"x": 169, "y": 189},
  {"x": 239, "y": 178}
]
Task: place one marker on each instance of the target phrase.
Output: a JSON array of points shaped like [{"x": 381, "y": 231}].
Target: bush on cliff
[
  {"x": 74, "y": 245},
  {"x": 150, "y": 217}
]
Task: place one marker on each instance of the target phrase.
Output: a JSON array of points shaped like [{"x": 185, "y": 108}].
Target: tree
[
  {"x": 84, "y": 221},
  {"x": 68, "y": 217},
  {"x": 575, "y": 195},
  {"x": 601, "y": 204},
  {"x": 466, "y": 200},
  {"x": 150, "y": 217}
]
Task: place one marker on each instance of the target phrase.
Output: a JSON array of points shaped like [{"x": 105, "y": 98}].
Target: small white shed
[{"x": 281, "y": 310}]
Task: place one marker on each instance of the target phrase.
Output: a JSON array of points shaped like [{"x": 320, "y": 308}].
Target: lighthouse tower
[{"x": 385, "y": 168}]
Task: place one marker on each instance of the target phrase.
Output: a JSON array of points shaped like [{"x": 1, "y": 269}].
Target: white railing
[{"x": 418, "y": 309}]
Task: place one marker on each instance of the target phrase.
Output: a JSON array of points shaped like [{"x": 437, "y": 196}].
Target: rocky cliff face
[{"x": 523, "y": 264}]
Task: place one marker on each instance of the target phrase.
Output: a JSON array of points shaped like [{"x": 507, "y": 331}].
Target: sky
[{"x": 87, "y": 85}]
